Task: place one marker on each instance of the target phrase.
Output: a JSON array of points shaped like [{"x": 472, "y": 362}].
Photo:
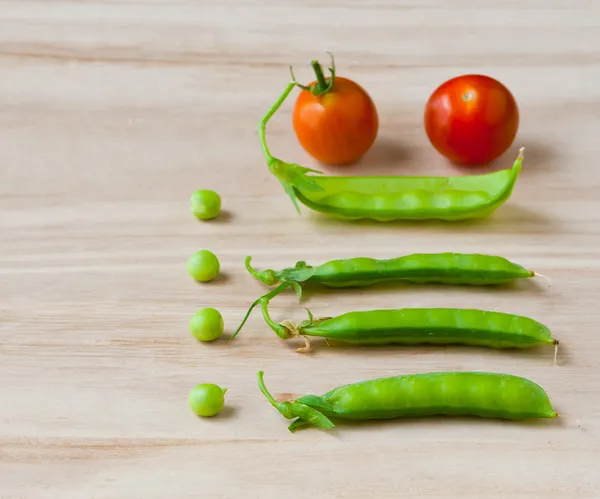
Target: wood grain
[{"x": 113, "y": 112}]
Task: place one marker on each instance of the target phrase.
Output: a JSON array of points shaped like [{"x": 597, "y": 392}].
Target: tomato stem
[{"x": 321, "y": 85}]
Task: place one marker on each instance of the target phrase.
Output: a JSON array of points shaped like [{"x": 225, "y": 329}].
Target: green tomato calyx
[{"x": 322, "y": 86}]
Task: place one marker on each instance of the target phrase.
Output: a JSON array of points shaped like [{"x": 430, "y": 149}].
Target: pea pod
[
  {"x": 388, "y": 198},
  {"x": 481, "y": 394},
  {"x": 418, "y": 326},
  {"x": 447, "y": 268},
  {"x": 412, "y": 326}
]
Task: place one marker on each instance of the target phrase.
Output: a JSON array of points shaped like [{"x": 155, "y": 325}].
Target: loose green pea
[
  {"x": 203, "y": 266},
  {"x": 207, "y": 324},
  {"x": 207, "y": 399},
  {"x": 205, "y": 204}
]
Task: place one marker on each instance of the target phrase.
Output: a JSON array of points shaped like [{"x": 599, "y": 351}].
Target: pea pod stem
[
  {"x": 288, "y": 174},
  {"x": 263, "y": 301},
  {"x": 263, "y": 123},
  {"x": 267, "y": 277},
  {"x": 291, "y": 410}
]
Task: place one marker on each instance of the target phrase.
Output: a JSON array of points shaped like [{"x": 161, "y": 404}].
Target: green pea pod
[
  {"x": 446, "y": 268},
  {"x": 417, "y": 326},
  {"x": 389, "y": 198},
  {"x": 480, "y": 394}
]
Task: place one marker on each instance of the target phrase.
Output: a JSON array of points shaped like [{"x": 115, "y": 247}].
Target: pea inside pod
[
  {"x": 480, "y": 394},
  {"x": 445, "y": 268},
  {"x": 388, "y": 198}
]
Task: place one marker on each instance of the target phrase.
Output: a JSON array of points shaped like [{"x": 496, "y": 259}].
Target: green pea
[
  {"x": 203, "y": 266},
  {"x": 205, "y": 204},
  {"x": 207, "y": 399},
  {"x": 207, "y": 324}
]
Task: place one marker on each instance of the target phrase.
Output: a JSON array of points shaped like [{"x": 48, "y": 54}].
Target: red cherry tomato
[
  {"x": 471, "y": 119},
  {"x": 338, "y": 126}
]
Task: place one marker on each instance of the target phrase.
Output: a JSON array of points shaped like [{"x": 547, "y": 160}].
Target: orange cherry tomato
[
  {"x": 336, "y": 126},
  {"x": 471, "y": 119}
]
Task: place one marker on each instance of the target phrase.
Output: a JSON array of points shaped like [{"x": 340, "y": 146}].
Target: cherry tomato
[
  {"x": 471, "y": 119},
  {"x": 336, "y": 126}
]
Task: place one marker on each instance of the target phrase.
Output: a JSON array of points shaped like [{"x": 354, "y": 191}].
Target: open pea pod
[{"x": 388, "y": 198}]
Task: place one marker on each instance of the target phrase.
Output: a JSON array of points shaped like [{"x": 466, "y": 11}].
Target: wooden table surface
[{"x": 113, "y": 112}]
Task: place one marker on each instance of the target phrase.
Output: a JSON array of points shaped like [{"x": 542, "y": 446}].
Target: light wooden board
[{"x": 113, "y": 112}]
